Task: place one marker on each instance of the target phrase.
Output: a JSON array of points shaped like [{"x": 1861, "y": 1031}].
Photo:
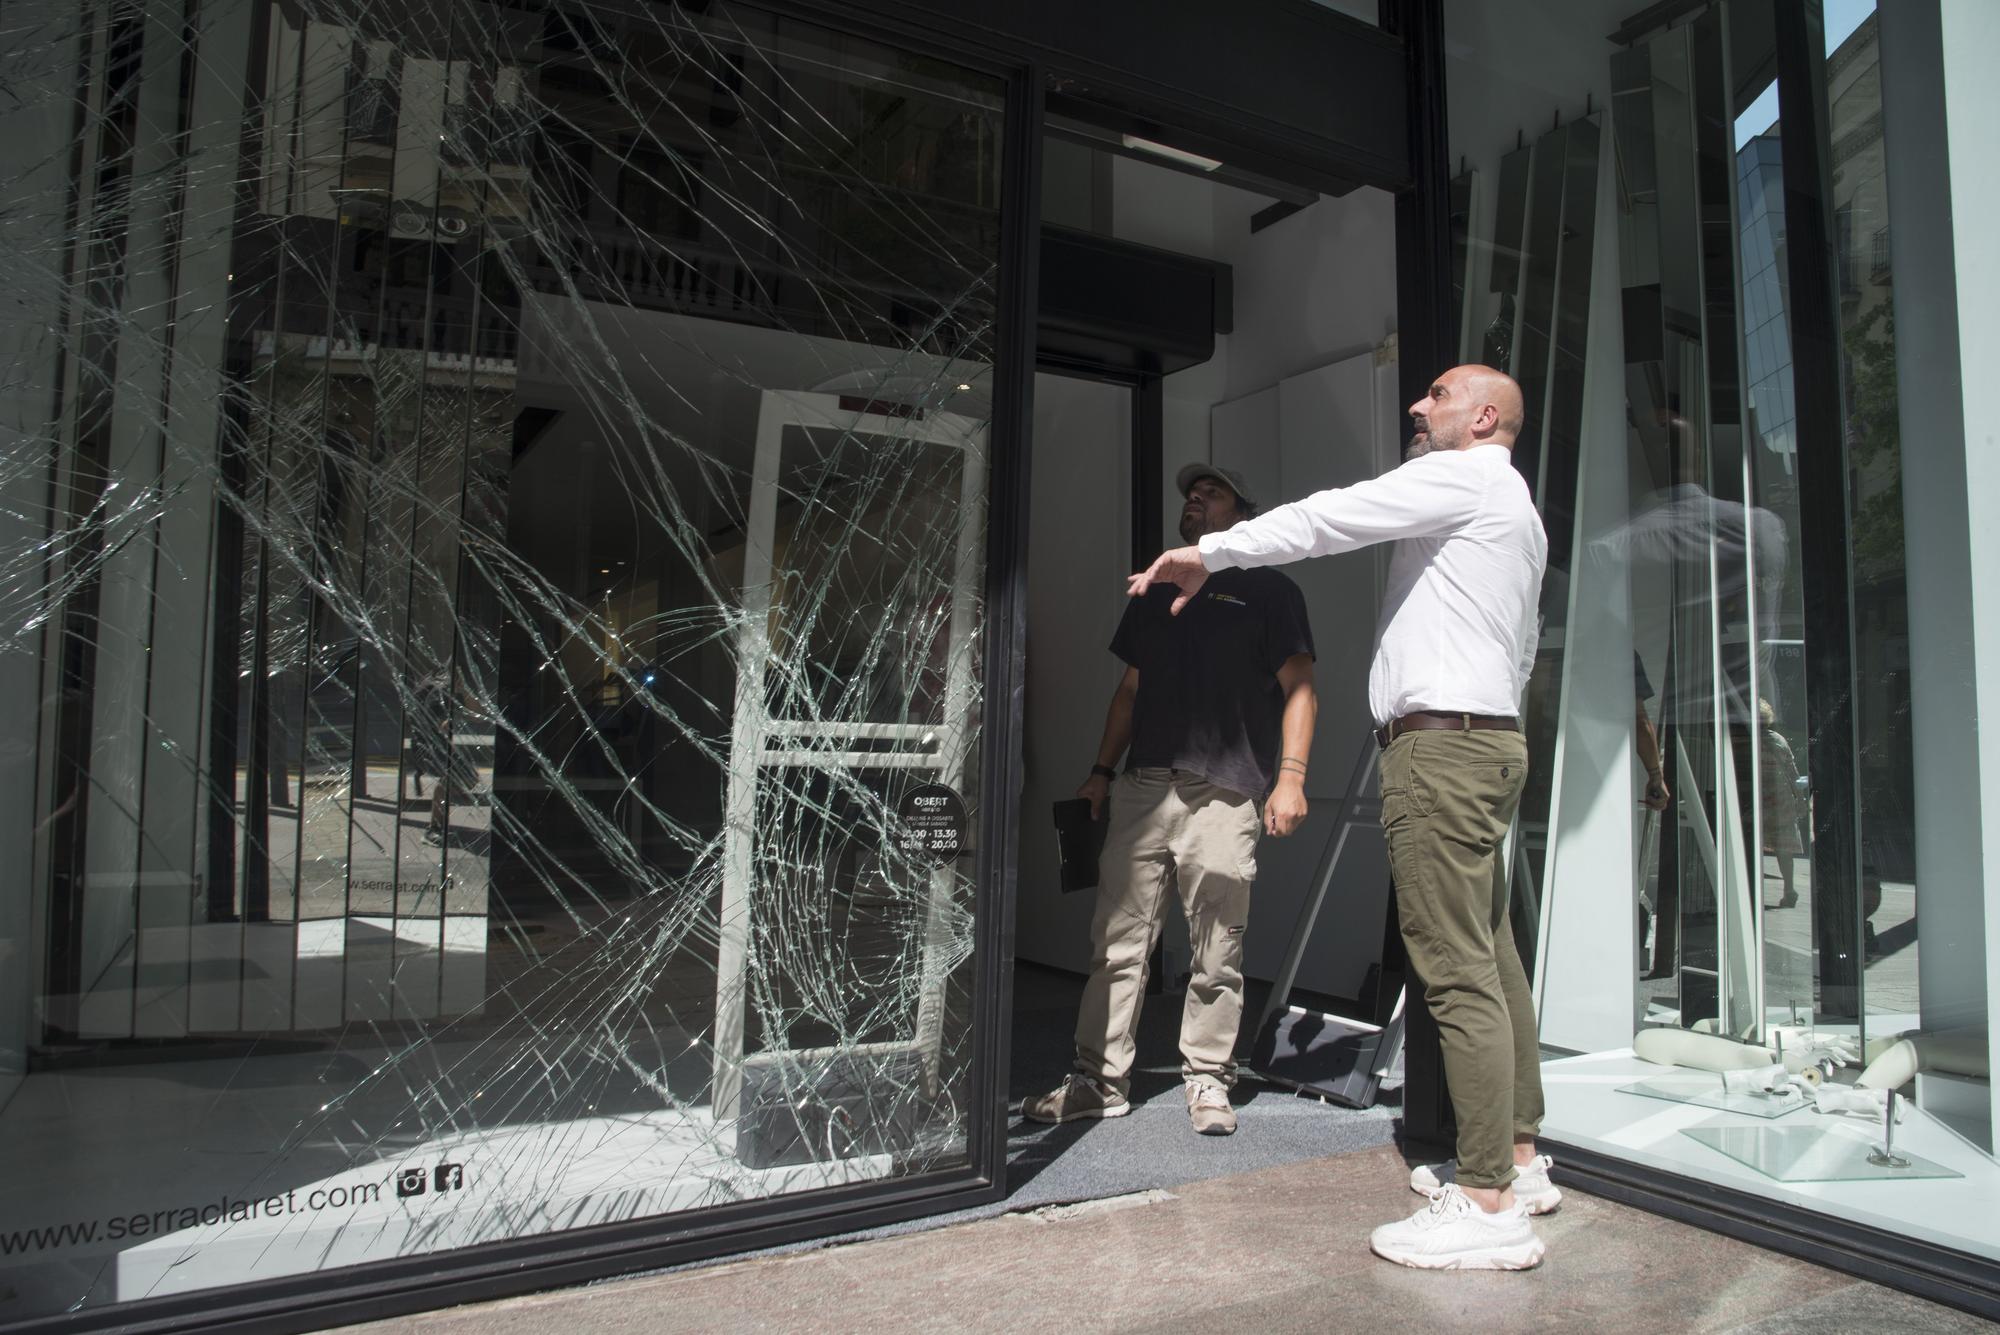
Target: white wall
[
  {"x": 1079, "y": 544},
  {"x": 1294, "y": 396},
  {"x": 1312, "y": 288},
  {"x": 1309, "y": 290},
  {"x": 1971, "y": 41},
  {"x": 1305, "y": 406},
  {"x": 1588, "y": 947},
  {"x": 1939, "y": 105},
  {"x": 1328, "y": 427}
]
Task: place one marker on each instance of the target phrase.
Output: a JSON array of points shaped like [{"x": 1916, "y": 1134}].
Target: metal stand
[
  {"x": 1330, "y": 1055},
  {"x": 1886, "y": 1157}
]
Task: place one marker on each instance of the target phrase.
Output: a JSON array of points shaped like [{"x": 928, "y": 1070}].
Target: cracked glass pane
[{"x": 493, "y": 551}]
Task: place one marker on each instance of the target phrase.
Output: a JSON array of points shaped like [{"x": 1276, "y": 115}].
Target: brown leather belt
[{"x": 1425, "y": 720}]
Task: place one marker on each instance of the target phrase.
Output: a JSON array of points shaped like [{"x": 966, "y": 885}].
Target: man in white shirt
[{"x": 1453, "y": 652}]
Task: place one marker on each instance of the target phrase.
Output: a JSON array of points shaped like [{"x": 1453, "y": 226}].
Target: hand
[
  {"x": 1094, "y": 790},
  {"x": 1180, "y": 566},
  {"x": 1285, "y": 808},
  {"x": 1657, "y": 796}
]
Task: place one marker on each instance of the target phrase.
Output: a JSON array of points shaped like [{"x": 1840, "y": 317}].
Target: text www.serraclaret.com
[{"x": 171, "y": 1219}]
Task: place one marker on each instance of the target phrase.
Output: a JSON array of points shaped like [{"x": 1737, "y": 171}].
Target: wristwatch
[{"x": 1104, "y": 771}]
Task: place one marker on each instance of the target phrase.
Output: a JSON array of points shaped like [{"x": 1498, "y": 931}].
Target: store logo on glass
[{"x": 417, "y": 1181}]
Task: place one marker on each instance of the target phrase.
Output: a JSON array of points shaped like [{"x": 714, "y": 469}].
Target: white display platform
[{"x": 1585, "y": 1109}]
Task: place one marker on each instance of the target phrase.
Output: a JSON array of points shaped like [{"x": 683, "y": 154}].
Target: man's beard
[
  {"x": 1191, "y": 528},
  {"x": 1428, "y": 441}
]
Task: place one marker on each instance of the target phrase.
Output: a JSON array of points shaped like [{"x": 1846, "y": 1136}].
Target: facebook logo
[{"x": 446, "y": 1176}]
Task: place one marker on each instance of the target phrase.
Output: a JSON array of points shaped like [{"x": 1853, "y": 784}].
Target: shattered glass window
[{"x": 491, "y": 563}]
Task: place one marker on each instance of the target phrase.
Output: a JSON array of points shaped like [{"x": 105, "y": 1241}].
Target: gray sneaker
[
  {"x": 1532, "y": 1186},
  {"x": 1209, "y": 1110},
  {"x": 1077, "y": 1097}
]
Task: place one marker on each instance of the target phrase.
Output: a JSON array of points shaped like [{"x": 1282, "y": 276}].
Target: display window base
[{"x": 1589, "y": 1111}]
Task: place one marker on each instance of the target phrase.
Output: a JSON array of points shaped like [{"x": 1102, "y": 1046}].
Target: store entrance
[{"x": 1193, "y": 313}]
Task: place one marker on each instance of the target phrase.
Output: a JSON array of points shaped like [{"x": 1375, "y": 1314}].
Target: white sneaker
[
  {"x": 1532, "y": 1186},
  {"x": 1451, "y": 1233}
]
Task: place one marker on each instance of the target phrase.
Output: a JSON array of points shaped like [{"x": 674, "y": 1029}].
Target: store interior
[{"x": 1297, "y": 393}]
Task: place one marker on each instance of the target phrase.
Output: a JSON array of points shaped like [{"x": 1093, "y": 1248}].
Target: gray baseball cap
[{"x": 1229, "y": 477}]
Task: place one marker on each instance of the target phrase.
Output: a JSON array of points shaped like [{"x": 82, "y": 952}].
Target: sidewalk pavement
[{"x": 1280, "y": 1249}]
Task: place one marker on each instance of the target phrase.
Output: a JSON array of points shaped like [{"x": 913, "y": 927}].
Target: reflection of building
[
  {"x": 1767, "y": 340},
  {"x": 615, "y": 205},
  {"x": 1861, "y": 258},
  {"x": 1874, "y": 442},
  {"x": 360, "y": 130}
]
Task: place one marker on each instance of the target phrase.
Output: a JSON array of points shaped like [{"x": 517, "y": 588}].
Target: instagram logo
[{"x": 423, "y": 1181}]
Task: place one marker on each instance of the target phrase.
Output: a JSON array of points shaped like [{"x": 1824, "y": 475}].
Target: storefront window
[
  {"x": 1628, "y": 237},
  {"x": 494, "y": 548}
]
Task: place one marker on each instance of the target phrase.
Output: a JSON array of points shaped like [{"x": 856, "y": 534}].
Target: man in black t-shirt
[{"x": 1215, "y": 719}]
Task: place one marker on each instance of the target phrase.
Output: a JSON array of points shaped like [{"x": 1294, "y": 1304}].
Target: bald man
[{"x": 1452, "y": 656}]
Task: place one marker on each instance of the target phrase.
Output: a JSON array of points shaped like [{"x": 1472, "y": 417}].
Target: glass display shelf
[
  {"x": 1703, "y": 1089},
  {"x": 1815, "y": 1151}
]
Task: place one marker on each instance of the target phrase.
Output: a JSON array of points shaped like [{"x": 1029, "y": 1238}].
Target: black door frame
[
  {"x": 1426, "y": 338},
  {"x": 1337, "y": 117}
]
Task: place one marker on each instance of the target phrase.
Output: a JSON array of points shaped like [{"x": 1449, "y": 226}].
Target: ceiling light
[{"x": 1180, "y": 155}]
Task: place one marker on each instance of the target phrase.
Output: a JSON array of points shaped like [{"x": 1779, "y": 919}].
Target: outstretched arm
[
  {"x": 1434, "y": 494},
  {"x": 1430, "y": 495}
]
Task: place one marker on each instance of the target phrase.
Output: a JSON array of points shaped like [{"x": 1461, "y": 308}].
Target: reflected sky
[{"x": 1842, "y": 18}]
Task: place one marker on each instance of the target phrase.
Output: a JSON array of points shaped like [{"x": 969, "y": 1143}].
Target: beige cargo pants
[
  {"x": 1169, "y": 824},
  {"x": 1447, "y": 800}
]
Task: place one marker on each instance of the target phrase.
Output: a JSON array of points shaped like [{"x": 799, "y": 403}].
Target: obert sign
[{"x": 930, "y": 824}]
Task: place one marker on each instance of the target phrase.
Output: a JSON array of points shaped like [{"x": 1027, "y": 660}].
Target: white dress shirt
[{"x": 1459, "y": 617}]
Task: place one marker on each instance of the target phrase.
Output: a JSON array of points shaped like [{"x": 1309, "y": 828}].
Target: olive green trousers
[{"x": 1447, "y": 800}]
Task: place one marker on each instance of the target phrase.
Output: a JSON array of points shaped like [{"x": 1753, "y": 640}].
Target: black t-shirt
[{"x": 1209, "y": 699}]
